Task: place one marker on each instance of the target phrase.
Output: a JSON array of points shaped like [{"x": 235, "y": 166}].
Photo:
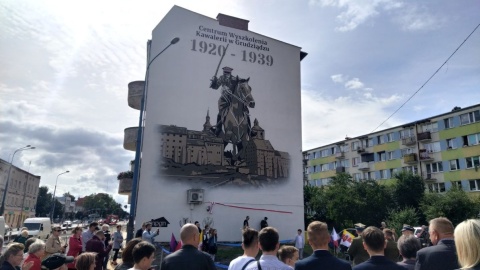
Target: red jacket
[
  {"x": 97, "y": 245},
  {"x": 74, "y": 248},
  {"x": 37, "y": 264}
]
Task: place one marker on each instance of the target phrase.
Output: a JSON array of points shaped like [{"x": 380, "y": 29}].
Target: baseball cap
[{"x": 56, "y": 260}]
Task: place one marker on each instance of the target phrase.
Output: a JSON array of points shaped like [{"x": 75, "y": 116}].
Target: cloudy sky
[{"x": 65, "y": 66}]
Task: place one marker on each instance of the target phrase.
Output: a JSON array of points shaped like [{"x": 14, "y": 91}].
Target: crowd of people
[{"x": 374, "y": 248}]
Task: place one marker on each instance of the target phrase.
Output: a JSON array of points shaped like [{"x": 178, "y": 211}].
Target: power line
[{"x": 428, "y": 79}]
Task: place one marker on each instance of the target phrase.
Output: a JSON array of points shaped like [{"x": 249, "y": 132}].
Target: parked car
[
  {"x": 39, "y": 227},
  {"x": 67, "y": 224}
]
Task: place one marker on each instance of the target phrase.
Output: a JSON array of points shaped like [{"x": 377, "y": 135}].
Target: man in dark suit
[
  {"x": 188, "y": 257},
  {"x": 318, "y": 238},
  {"x": 374, "y": 243},
  {"x": 442, "y": 255},
  {"x": 391, "y": 250},
  {"x": 356, "y": 250}
]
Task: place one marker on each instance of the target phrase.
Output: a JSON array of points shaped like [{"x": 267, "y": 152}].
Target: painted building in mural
[
  {"x": 226, "y": 142},
  {"x": 443, "y": 149}
]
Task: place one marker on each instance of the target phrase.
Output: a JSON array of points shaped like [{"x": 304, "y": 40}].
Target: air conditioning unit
[{"x": 195, "y": 196}]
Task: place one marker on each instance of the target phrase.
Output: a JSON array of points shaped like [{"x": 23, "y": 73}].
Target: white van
[
  {"x": 39, "y": 227},
  {"x": 2, "y": 226}
]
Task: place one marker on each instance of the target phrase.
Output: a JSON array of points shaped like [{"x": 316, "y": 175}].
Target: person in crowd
[
  {"x": 442, "y": 255},
  {"x": 30, "y": 241},
  {"x": 250, "y": 249},
  {"x": 107, "y": 239},
  {"x": 318, "y": 238},
  {"x": 245, "y": 222},
  {"x": 268, "y": 242},
  {"x": 22, "y": 238},
  {"x": 198, "y": 226},
  {"x": 88, "y": 234},
  {"x": 467, "y": 241},
  {"x": 1, "y": 243},
  {"x": 141, "y": 230},
  {"x": 148, "y": 235},
  {"x": 12, "y": 258},
  {"x": 188, "y": 257},
  {"x": 383, "y": 225},
  {"x": 212, "y": 243},
  {"x": 299, "y": 243},
  {"x": 356, "y": 250},
  {"x": 391, "y": 250},
  {"x": 56, "y": 262},
  {"x": 53, "y": 244},
  {"x": 143, "y": 255},
  {"x": 74, "y": 245},
  {"x": 127, "y": 256},
  {"x": 288, "y": 255},
  {"x": 36, "y": 251},
  {"x": 407, "y": 230},
  {"x": 97, "y": 245},
  {"x": 264, "y": 223},
  {"x": 424, "y": 237},
  {"x": 374, "y": 243},
  {"x": 117, "y": 243},
  {"x": 408, "y": 247},
  {"x": 205, "y": 237},
  {"x": 86, "y": 261}
]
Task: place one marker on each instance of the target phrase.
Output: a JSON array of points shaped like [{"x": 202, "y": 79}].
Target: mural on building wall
[{"x": 229, "y": 152}]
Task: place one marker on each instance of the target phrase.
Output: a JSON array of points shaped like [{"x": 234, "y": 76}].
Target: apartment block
[{"x": 443, "y": 149}]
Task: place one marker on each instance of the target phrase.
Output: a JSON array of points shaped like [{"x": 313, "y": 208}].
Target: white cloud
[
  {"x": 338, "y": 78},
  {"x": 354, "y": 83},
  {"x": 326, "y": 120},
  {"x": 414, "y": 18}
]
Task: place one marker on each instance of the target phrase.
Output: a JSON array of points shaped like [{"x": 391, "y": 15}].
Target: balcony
[
  {"x": 135, "y": 94},
  {"x": 409, "y": 140},
  {"x": 364, "y": 166},
  {"x": 429, "y": 177},
  {"x": 360, "y": 149},
  {"x": 125, "y": 186},
  {"x": 425, "y": 155},
  {"x": 340, "y": 155},
  {"x": 340, "y": 169},
  {"x": 130, "y": 138},
  {"x": 424, "y": 136},
  {"x": 410, "y": 158}
]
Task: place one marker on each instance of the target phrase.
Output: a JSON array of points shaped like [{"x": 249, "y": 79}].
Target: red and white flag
[{"x": 335, "y": 237}]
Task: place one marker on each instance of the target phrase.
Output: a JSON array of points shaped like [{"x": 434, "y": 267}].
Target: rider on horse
[{"x": 228, "y": 82}]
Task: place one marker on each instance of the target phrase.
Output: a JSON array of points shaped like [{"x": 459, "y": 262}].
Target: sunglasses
[{"x": 57, "y": 230}]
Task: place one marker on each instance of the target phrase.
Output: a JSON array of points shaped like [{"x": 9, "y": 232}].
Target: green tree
[
  {"x": 408, "y": 190},
  {"x": 341, "y": 200},
  {"x": 314, "y": 204},
  {"x": 44, "y": 202},
  {"x": 398, "y": 217},
  {"x": 103, "y": 205},
  {"x": 373, "y": 201},
  {"x": 455, "y": 205}
]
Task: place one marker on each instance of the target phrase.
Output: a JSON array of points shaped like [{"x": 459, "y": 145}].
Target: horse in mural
[{"x": 236, "y": 118}]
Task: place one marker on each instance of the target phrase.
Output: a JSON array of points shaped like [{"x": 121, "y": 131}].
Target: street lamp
[
  {"x": 2, "y": 207},
  {"x": 136, "y": 173},
  {"x": 55, "y": 190}
]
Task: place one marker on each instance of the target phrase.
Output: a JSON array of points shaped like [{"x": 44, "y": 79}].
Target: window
[
  {"x": 324, "y": 167},
  {"x": 457, "y": 184},
  {"x": 451, "y": 144},
  {"x": 383, "y": 174},
  {"x": 412, "y": 169},
  {"x": 381, "y": 156},
  {"x": 473, "y": 162},
  {"x": 454, "y": 165},
  {"x": 370, "y": 142},
  {"x": 390, "y": 155},
  {"x": 381, "y": 139},
  {"x": 407, "y": 151},
  {"x": 470, "y": 117},
  {"x": 355, "y": 161},
  {"x": 436, "y": 187},
  {"x": 432, "y": 127},
  {"x": 434, "y": 167},
  {"x": 369, "y": 176},
  {"x": 407, "y": 133},
  {"x": 355, "y": 146},
  {"x": 314, "y": 155},
  {"x": 448, "y": 122},
  {"x": 390, "y": 137},
  {"x": 325, "y": 153},
  {"x": 472, "y": 139},
  {"x": 474, "y": 184},
  {"x": 343, "y": 148},
  {"x": 393, "y": 172},
  {"x": 432, "y": 147},
  {"x": 345, "y": 163},
  {"x": 357, "y": 176}
]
